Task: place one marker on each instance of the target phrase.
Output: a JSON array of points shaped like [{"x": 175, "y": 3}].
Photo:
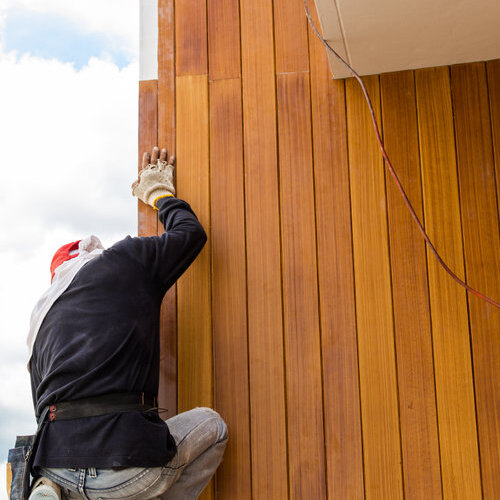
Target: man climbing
[{"x": 95, "y": 364}]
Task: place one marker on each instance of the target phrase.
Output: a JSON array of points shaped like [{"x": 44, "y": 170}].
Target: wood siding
[{"x": 345, "y": 361}]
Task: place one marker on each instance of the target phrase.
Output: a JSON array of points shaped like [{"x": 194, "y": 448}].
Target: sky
[{"x": 68, "y": 154}]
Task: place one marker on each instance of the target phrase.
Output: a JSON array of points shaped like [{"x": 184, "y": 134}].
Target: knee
[{"x": 218, "y": 426}]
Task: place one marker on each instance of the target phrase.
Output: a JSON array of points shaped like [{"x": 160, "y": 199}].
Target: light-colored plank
[
  {"x": 450, "y": 328},
  {"x": 191, "y": 37},
  {"x": 377, "y": 368},
  {"x": 343, "y": 441},
  {"x": 290, "y": 28},
  {"x": 300, "y": 290},
  {"x": 148, "y": 129},
  {"x": 166, "y": 138},
  {"x": 194, "y": 316},
  {"x": 265, "y": 329},
  {"x": 229, "y": 284},
  {"x": 478, "y": 203},
  {"x": 417, "y": 399},
  {"x": 223, "y": 39},
  {"x": 493, "y": 70}
]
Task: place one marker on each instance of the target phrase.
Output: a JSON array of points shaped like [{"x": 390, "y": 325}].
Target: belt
[{"x": 98, "y": 405}]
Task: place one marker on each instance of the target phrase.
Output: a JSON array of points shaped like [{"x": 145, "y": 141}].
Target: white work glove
[{"x": 155, "y": 181}]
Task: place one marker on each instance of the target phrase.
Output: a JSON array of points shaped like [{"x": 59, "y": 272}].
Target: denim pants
[{"x": 201, "y": 437}]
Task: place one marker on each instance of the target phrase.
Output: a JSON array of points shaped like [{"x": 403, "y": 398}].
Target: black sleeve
[{"x": 165, "y": 257}]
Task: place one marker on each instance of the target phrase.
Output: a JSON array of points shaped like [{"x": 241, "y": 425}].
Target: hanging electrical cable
[{"x": 391, "y": 168}]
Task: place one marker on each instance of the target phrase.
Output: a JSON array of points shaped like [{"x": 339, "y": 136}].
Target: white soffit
[
  {"x": 148, "y": 59},
  {"x": 393, "y": 35}
]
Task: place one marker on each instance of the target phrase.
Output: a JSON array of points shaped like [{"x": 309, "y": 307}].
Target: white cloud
[
  {"x": 115, "y": 17},
  {"x": 68, "y": 153}
]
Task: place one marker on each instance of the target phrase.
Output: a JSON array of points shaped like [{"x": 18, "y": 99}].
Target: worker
[{"x": 95, "y": 364}]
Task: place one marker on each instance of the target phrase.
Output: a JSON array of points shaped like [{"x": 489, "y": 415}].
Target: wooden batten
[{"x": 345, "y": 361}]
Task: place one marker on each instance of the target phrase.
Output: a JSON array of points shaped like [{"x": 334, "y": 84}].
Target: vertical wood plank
[
  {"x": 166, "y": 138},
  {"x": 148, "y": 130},
  {"x": 478, "y": 205},
  {"x": 195, "y": 379},
  {"x": 265, "y": 330},
  {"x": 493, "y": 69},
  {"x": 229, "y": 284},
  {"x": 417, "y": 399},
  {"x": 379, "y": 404},
  {"x": 224, "y": 39},
  {"x": 300, "y": 290},
  {"x": 343, "y": 442},
  {"x": 191, "y": 37},
  {"x": 451, "y": 342},
  {"x": 290, "y": 28}
]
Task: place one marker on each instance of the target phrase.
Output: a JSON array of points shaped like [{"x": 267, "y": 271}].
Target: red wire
[{"x": 391, "y": 169}]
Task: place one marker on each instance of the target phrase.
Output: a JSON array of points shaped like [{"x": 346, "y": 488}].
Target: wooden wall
[{"x": 346, "y": 363}]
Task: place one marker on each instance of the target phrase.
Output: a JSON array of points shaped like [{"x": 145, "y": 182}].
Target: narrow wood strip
[
  {"x": 224, "y": 39},
  {"x": 493, "y": 69},
  {"x": 343, "y": 440},
  {"x": 290, "y": 28},
  {"x": 379, "y": 403},
  {"x": 300, "y": 290},
  {"x": 195, "y": 378},
  {"x": 166, "y": 138},
  {"x": 148, "y": 130},
  {"x": 229, "y": 284},
  {"x": 450, "y": 328},
  {"x": 265, "y": 329},
  {"x": 417, "y": 399},
  {"x": 478, "y": 205},
  {"x": 191, "y": 37}
]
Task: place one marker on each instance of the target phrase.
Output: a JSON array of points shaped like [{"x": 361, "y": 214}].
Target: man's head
[{"x": 66, "y": 252}]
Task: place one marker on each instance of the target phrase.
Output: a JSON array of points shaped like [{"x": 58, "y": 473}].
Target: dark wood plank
[
  {"x": 223, "y": 39},
  {"x": 493, "y": 70},
  {"x": 191, "y": 37},
  {"x": 300, "y": 290},
  {"x": 229, "y": 284},
  {"x": 148, "y": 130},
  {"x": 343, "y": 440},
  {"x": 450, "y": 324},
  {"x": 478, "y": 203},
  {"x": 166, "y": 138},
  {"x": 265, "y": 311},
  {"x": 417, "y": 399},
  {"x": 290, "y": 28},
  {"x": 377, "y": 363}
]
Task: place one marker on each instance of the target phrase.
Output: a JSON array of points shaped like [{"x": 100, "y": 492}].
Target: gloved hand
[{"x": 155, "y": 178}]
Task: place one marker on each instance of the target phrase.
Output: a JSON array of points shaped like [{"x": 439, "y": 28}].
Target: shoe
[{"x": 45, "y": 489}]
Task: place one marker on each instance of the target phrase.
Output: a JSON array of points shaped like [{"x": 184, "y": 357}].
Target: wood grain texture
[
  {"x": 290, "y": 28},
  {"x": 229, "y": 284},
  {"x": 478, "y": 205},
  {"x": 265, "y": 328},
  {"x": 148, "y": 130},
  {"x": 493, "y": 70},
  {"x": 451, "y": 341},
  {"x": 167, "y": 396},
  {"x": 343, "y": 440},
  {"x": 223, "y": 39},
  {"x": 377, "y": 367},
  {"x": 191, "y": 37},
  {"x": 300, "y": 290},
  {"x": 417, "y": 399},
  {"x": 195, "y": 378}
]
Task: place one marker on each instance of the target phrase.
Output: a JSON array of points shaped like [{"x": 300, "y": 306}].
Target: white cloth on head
[{"x": 88, "y": 249}]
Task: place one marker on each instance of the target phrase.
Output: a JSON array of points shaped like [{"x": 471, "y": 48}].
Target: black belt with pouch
[{"x": 21, "y": 456}]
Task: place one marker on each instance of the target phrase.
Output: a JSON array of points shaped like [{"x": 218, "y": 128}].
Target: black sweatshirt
[{"x": 102, "y": 336}]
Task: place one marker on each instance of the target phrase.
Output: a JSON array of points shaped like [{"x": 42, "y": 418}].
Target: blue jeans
[{"x": 201, "y": 437}]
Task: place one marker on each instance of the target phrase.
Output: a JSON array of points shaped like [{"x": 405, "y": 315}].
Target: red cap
[{"x": 66, "y": 252}]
